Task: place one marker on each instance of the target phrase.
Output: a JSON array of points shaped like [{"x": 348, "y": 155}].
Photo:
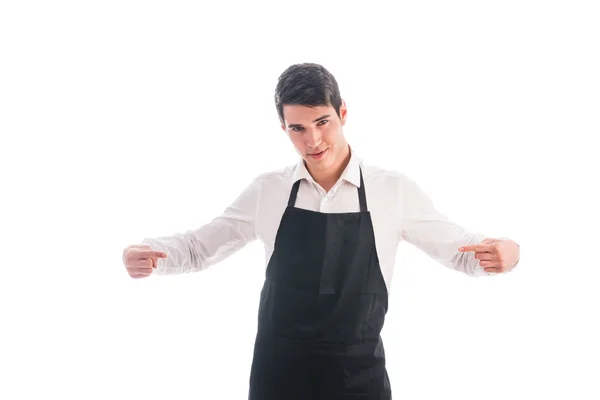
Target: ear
[
  {"x": 283, "y": 127},
  {"x": 343, "y": 112}
]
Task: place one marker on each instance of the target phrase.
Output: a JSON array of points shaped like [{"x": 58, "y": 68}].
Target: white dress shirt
[{"x": 399, "y": 209}]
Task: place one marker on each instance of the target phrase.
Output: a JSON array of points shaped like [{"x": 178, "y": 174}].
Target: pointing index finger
[
  {"x": 481, "y": 248},
  {"x": 151, "y": 254}
]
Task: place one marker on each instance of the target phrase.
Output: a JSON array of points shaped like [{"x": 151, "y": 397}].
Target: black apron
[{"x": 322, "y": 308}]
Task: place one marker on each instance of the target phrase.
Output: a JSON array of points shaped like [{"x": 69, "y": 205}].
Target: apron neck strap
[
  {"x": 362, "y": 198},
  {"x": 294, "y": 193}
]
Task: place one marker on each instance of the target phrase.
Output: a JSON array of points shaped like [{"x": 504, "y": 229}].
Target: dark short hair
[{"x": 307, "y": 84}]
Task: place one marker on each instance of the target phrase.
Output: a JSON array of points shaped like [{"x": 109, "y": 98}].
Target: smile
[{"x": 318, "y": 156}]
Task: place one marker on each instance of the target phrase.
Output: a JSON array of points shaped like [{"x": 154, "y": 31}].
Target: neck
[{"x": 328, "y": 177}]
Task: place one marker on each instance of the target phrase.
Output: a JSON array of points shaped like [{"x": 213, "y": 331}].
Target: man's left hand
[{"x": 495, "y": 255}]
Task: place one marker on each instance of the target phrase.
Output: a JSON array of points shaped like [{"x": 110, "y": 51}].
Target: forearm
[
  {"x": 443, "y": 242},
  {"x": 199, "y": 249},
  {"x": 181, "y": 256}
]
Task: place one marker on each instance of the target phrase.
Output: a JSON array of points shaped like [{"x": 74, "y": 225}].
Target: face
[{"x": 316, "y": 133}]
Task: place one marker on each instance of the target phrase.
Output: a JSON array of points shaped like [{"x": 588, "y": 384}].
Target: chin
[{"x": 321, "y": 164}]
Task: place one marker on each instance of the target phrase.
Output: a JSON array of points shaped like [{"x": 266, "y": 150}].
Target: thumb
[{"x": 489, "y": 241}]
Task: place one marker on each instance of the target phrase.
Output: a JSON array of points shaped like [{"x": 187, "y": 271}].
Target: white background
[{"x": 127, "y": 119}]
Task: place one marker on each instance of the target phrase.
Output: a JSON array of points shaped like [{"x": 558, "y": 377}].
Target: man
[{"x": 331, "y": 226}]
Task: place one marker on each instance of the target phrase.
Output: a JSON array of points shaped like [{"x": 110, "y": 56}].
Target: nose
[{"x": 313, "y": 138}]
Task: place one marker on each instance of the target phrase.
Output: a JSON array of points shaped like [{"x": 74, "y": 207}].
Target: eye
[
  {"x": 322, "y": 122},
  {"x": 297, "y": 129}
]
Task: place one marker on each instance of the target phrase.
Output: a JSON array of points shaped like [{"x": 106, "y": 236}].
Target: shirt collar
[{"x": 350, "y": 174}]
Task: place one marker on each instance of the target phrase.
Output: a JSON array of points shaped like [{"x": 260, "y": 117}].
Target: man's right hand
[{"x": 140, "y": 260}]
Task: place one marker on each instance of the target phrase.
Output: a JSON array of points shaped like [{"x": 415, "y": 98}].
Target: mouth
[{"x": 318, "y": 155}]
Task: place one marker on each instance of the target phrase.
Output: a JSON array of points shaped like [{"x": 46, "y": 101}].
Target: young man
[{"x": 331, "y": 226}]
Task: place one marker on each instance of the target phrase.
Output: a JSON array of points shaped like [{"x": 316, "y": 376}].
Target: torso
[{"x": 383, "y": 192}]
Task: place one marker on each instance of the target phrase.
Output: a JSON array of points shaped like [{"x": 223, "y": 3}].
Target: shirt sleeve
[
  {"x": 436, "y": 235},
  {"x": 196, "y": 250}
]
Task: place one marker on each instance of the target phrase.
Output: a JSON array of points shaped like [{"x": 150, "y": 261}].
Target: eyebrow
[{"x": 316, "y": 120}]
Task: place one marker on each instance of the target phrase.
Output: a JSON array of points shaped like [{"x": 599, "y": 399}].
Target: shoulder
[
  {"x": 390, "y": 182},
  {"x": 275, "y": 178},
  {"x": 270, "y": 184},
  {"x": 385, "y": 176}
]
